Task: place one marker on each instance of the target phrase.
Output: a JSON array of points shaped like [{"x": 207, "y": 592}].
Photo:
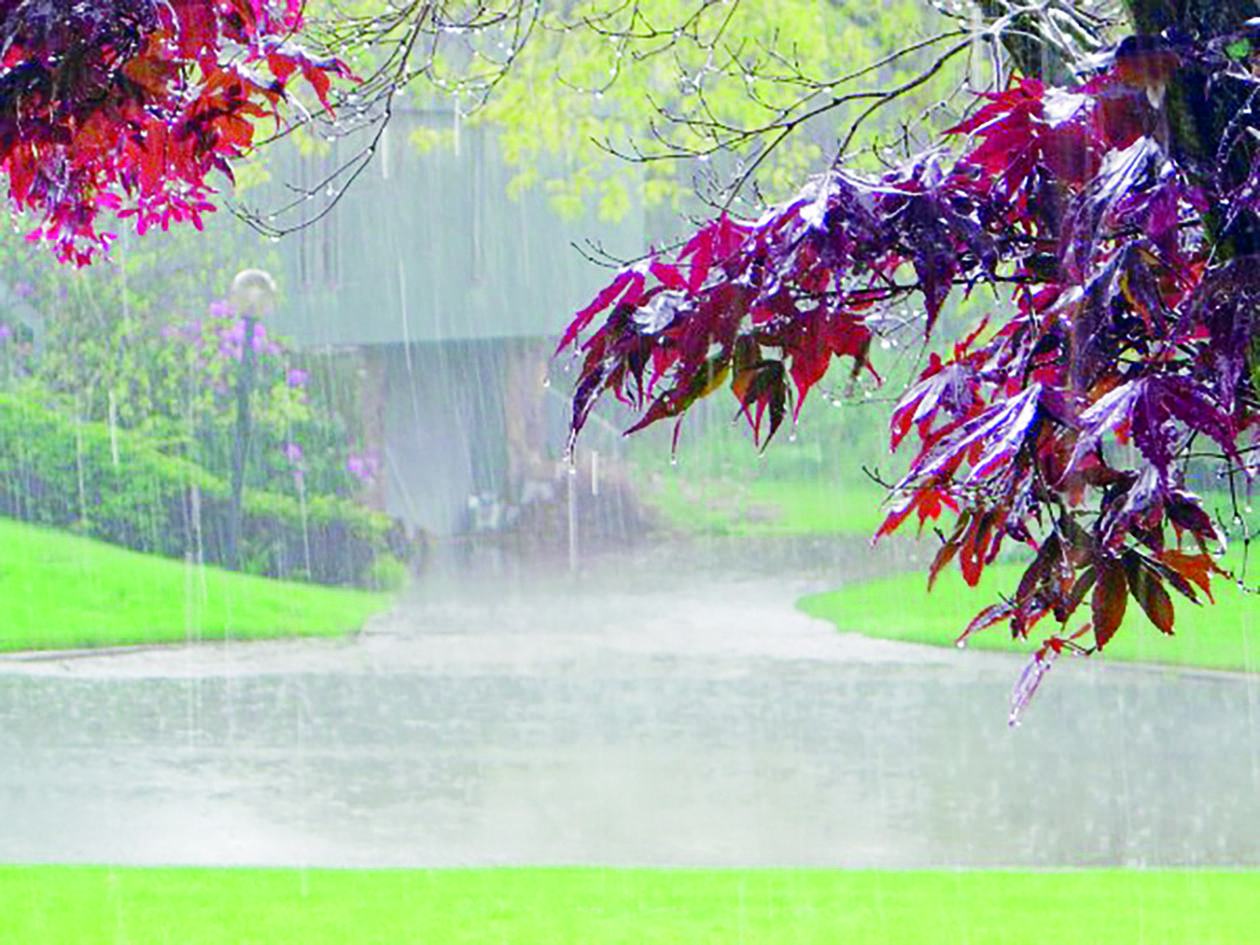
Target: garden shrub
[{"x": 115, "y": 486}]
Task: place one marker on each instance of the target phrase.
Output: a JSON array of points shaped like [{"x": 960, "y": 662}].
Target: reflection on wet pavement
[{"x": 630, "y": 717}]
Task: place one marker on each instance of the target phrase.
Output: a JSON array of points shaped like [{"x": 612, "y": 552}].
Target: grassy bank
[
  {"x": 766, "y": 506},
  {"x": 61, "y": 591},
  {"x": 553, "y": 906},
  {"x": 1221, "y": 636}
]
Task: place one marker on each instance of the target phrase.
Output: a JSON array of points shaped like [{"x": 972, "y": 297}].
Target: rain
[
  {"x": 620, "y": 694},
  {"x": 413, "y": 629}
]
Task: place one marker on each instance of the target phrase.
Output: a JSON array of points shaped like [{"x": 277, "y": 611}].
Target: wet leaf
[
  {"x": 1000, "y": 431},
  {"x": 1029, "y": 681},
  {"x": 1148, "y": 590},
  {"x": 1111, "y": 591},
  {"x": 762, "y": 388},
  {"x": 1185, "y": 511},
  {"x": 950, "y": 388},
  {"x": 950, "y": 548},
  {"x": 993, "y": 614},
  {"x": 1083, "y": 584},
  {"x": 928, "y": 503},
  {"x": 1197, "y": 569}
]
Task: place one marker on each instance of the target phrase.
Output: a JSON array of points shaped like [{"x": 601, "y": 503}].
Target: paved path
[{"x": 640, "y": 716}]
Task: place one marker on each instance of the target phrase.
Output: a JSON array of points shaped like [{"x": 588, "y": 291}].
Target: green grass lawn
[
  {"x": 1225, "y": 635},
  {"x": 766, "y": 506},
  {"x": 61, "y": 591},
  {"x": 55, "y": 904}
]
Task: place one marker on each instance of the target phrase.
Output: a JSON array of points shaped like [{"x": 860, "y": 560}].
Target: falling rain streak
[{"x": 319, "y": 579}]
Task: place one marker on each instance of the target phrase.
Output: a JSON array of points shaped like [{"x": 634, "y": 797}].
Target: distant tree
[
  {"x": 641, "y": 104},
  {"x": 1113, "y": 215},
  {"x": 703, "y": 97}
]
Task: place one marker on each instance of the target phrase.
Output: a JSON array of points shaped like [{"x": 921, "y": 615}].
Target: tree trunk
[
  {"x": 1203, "y": 18},
  {"x": 1030, "y": 55},
  {"x": 1199, "y": 117}
]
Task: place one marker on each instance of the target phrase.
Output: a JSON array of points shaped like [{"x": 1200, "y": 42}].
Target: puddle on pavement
[{"x": 682, "y": 721}]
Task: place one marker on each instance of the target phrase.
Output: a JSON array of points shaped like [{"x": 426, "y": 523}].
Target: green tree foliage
[
  {"x": 673, "y": 85},
  {"x": 143, "y": 341},
  {"x": 116, "y": 486},
  {"x": 691, "y": 91}
]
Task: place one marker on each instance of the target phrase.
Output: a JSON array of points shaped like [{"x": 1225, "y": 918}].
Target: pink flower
[{"x": 363, "y": 468}]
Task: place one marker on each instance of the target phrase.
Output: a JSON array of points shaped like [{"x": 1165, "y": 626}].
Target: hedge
[{"x": 116, "y": 486}]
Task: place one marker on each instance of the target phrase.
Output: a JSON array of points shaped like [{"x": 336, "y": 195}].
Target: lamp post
[{"x": 252, "y": 294}]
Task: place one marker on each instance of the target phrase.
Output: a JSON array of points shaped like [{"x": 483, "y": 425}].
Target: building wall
[
  {"x": 428, "y": 248},
  {"x": 453, "y": 294},
  {"x": 457, "y": 422}
]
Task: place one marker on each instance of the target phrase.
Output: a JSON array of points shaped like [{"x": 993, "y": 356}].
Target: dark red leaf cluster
[
  {"x": 1065, "y": 422},
  {"x": 127, "y": 106}
]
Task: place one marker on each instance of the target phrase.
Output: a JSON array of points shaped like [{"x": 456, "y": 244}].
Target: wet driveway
[{"x": 639, "y": 715}]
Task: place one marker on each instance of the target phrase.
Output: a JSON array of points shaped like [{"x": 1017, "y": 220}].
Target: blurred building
[{"x": 448, "y": 297}]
